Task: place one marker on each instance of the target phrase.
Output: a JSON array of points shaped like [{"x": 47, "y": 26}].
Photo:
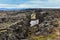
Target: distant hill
[{"x": 12, "y": 8}]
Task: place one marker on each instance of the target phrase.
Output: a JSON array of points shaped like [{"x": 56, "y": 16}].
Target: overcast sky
[{"x": 29, "y": 3}]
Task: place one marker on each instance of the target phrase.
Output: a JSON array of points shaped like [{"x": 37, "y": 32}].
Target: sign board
[{"x": 33, "y": 16}]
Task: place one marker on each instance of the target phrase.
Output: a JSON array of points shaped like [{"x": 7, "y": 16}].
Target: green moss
[{"x": 50, "y": 37}]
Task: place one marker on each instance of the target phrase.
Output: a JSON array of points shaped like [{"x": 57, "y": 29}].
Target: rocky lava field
[{"x": 15, "y": 24}]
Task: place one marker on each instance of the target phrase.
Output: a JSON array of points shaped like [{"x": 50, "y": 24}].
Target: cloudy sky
[{"x": 29, "y": 3}]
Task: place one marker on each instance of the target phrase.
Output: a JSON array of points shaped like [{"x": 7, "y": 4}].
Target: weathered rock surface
[{"x": 17, "y": 25}]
